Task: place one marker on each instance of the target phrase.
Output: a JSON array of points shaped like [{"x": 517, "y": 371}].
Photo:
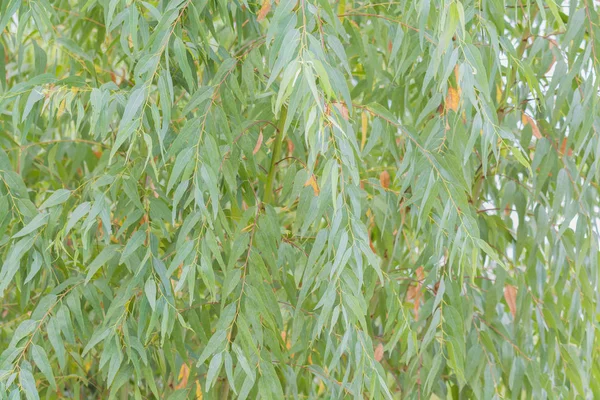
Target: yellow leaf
[
  {"x": 363, "y": 125},
  {"x": 342, "y": 9},
  {"x": 61, "y": 107},
  {"x": 199, "y": 395},
  {"x": 321, "y": 388},
  {"x": 526, "y": 119},
  {"x": 184, "y": 374},
  {"x": 264, "y": 10},
  {"x": 312, "y": 182},
  {"x": 258, "y": 143},
  {"x": 452, "y": 99},
  {"x": 510, "y": 295},
  {"x": 288, "y": 344}
]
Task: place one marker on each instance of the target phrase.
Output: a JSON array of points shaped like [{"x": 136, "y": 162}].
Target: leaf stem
[{"x": 268, "y": 196}]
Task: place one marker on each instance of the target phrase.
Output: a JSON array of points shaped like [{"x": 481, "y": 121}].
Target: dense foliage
[{"x": 299, "y": 199}]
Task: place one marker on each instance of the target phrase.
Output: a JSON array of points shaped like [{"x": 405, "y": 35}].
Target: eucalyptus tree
[{"x": 299, "y": 199}]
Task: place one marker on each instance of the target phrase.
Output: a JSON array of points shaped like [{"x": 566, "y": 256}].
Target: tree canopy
[{"x": 299, "y": 199}]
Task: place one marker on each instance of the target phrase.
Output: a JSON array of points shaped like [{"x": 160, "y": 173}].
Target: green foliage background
[{"x": 299, "y": 199}]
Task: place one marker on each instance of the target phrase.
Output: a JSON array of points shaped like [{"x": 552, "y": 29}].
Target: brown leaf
[
  {"x": 384, "y": 179},
  {"x": 439, "y": 110},
  {"x": 420, "y": 274},
  {"x": 526, "y": 119},
  {"x": 290, "y": 147},
  {"x": 414, "y": 291},
  {"x": 156, "y": 195},
  {"x": 312, "y": 182},
  {"x": 342, "y": 109},
  {"x": 379, "y": 352},
  {"x": 510, "y": 295},
  {"x": 258, "y": 143},
  {"x": 372, "y": 247},
  {"x": 563, "y": 146},
  {"x": 436, "y": 287},
  {"x": 411, "y": 293},
  {"x": 452, "y": 99},
  {"x": 264, "y": 10},
  {"x": 551, "y": 44}
]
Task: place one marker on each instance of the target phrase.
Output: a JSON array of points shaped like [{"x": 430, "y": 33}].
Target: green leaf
[
  {"x": 41, "y": 360},
  {"x": 106, "y": 254},
  {"x": 34, "y": 96},
  {"x": 79, "y": 212},
  {"x": 96, "y": 338},
  {"x": 181, "y": 54},
  {"x": 27, "y": 382},
  {"x": 33, "y": 225},
  {"x": 35, "y": 267},
  {"x": 150, "y": 290},
  {"x": 9, "y": 8},
  {"x": 182, "y": 161},
  {"x": 58, "y": 197},
  {"x": 128, "y": 121},
  {"x": 198, "y": 99},
  {"x": 136, "y": 240},
  {"x": 12, "y": 262},
  {"x": 213, "y": 369}
]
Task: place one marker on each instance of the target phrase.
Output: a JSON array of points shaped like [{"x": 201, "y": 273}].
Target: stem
[
  {"x": 225, "y": 391},
  {"x": 276, "y": 155},
  {"x": 513, "y": 75}
]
